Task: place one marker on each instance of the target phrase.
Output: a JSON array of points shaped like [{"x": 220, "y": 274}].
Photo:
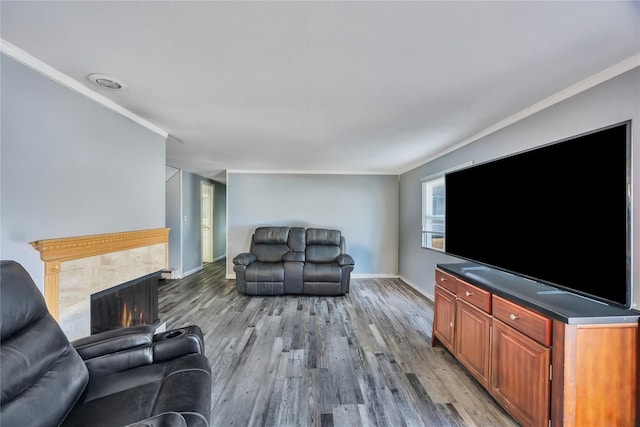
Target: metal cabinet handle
[
  {"x": 513, "y": 316},
  {"x": 468, "y": 293}
]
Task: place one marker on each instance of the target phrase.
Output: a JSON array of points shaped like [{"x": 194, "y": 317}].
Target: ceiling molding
[
  {"x": 583, "y": 85},
  {"x": 307, "y": 172},
  {"x": 37, "y": 65}
]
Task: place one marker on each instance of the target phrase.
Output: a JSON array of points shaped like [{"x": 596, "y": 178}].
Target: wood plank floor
[{"x": 361, "y": 360}]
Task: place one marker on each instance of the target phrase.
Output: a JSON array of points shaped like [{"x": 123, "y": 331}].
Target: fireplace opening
[{"x": 128, "y": 304}]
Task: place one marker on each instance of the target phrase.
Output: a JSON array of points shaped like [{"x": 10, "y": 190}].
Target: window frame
[{"x": 429, "y": 219}]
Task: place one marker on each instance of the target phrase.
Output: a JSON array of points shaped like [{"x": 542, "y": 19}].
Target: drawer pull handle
[
  {"x": 468, "y": 293},
  {"x": 442, "y": 279},
  {"x": 513, "y": 317},
  {"x": 451, "y": 324}
]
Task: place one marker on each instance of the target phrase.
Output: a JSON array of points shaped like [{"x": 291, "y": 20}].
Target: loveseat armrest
[
  {"x": 177, "y": 342},
  {"x": 244, "y": 259},
  {"x": 166, "y": 419},
  {"x": 114, "y": 341},
  {"x": 344, "y": 259}
]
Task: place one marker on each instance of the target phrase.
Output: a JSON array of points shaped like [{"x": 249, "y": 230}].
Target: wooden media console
[{"x": 549, "y": 357}]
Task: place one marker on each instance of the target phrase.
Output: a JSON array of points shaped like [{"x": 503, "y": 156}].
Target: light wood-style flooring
[{"x": 361, "y": 360}]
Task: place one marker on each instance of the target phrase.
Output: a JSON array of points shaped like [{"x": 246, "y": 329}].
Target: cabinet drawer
[
  {"x": 475, "y": 296},
  {"x": 530, "y": 323},
  {"x": 447, "y": 281}
]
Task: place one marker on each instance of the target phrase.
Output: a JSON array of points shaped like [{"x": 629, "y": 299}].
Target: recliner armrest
[
  {"x": 344, "y": 259},
  {"x": 127, "y": 348},
  {"x": 119, "y": 361},
  {"x": 177, "y": 342},
  {"x": 244, "y": 259},
  {"x": 114, "y": 341}
]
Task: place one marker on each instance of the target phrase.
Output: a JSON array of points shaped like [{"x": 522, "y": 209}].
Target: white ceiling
[{"x": 340, "y": 87}]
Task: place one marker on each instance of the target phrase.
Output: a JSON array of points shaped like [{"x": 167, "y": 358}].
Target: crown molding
[
  {"x": 306, "y": 172},
  {"x": 607, "y": 74},
  {"x": 35, "y": 64}
]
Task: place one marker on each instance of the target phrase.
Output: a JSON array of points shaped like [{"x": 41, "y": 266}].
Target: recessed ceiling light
[{"x": 109, "y": 82}]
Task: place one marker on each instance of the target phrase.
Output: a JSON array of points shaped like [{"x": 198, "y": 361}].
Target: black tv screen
[{"x": 558, "y": 214}]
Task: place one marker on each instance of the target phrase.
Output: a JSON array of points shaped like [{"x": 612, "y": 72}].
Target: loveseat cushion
[
  {"x": 325, "y": 272},
  {"x": 321, "y": 254},
  {"x": 322, "y": 245},
  {"x": 270, "y": 243},
  {"x": 271, "y": 252},
  {"x": 265, "y": 272}
]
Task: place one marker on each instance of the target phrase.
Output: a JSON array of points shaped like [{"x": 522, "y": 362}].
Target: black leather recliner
[
  {"x": 124, "y": 377},
  {"x": 292, "y": 260}
]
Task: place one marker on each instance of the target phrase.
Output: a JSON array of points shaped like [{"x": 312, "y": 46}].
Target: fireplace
[{"x": 129, "y": 304}]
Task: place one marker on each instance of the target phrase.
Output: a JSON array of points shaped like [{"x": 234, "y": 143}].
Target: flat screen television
[{"x": 558, "y": 214}]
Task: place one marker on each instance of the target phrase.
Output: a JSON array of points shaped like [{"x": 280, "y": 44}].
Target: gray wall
[
  {"x": 220, "y": 221},
  {"x": 192, "y": 226},
  {"x": 363, "y": 207},
  {"x": 70, "y": 167},
  {"x": 611, "y": 102},
  {"x": 174, "y": 220},
  {"x": 184, "y": 217},
  {"x": 191, "y": 223}
]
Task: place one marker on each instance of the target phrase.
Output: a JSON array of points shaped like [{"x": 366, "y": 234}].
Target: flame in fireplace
[{"x": 129, "y": 317}]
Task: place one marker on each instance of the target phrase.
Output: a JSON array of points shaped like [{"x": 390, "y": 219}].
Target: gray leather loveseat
[{"x": 294, "y": 260}]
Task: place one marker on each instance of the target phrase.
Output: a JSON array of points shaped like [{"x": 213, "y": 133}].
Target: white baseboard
[
  {"x": 374, "y": 276},
  {"x": 418, "y": 288},
  {"x": 190, "y": 272}
]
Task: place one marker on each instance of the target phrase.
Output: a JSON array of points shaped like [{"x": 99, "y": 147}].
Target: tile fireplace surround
[{"x": 76, "y": 267}]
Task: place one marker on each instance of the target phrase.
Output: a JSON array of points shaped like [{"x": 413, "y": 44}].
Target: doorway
[{"x": 208, "y": 193}]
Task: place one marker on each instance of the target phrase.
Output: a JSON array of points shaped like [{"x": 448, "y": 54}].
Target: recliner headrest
[{"x": 17, "y": 285}]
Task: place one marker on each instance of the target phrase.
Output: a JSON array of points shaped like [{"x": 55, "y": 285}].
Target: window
[
  {"x": 433, "y": 209},
  {"x": 433, "y": 213}
]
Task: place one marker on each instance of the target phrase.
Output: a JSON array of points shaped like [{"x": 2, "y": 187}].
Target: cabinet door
[
  {"x": 444, "y": 317},
  {"x": 473, "y": 327},
  {"x": 520, "y": 375}
]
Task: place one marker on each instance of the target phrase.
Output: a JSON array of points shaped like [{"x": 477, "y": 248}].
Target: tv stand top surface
[{"x": 558, "y": 304}]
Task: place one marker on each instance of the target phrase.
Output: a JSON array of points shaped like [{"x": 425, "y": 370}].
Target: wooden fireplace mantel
[{"x": 55, "y": 251}]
